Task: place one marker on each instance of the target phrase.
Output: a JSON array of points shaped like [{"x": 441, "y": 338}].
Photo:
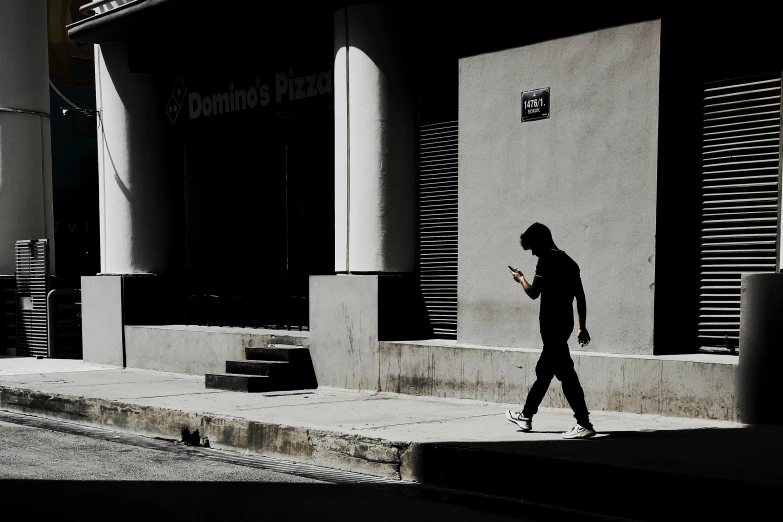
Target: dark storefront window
[{"x": 259, "y": 210}]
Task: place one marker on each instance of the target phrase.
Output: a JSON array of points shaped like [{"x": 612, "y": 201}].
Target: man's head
[{"x": 537, "y": 238}]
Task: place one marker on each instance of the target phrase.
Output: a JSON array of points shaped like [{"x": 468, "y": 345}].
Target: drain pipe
[{"x": 49, "y": 320}]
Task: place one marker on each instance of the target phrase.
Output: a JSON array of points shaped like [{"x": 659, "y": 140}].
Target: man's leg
[
  {"x": 572, "y": 389},
  {"x": 544, "y": 373}
]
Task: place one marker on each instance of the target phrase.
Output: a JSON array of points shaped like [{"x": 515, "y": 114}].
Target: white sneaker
[
  {"x": 579, "y": 432},
  {"x": 520, "y": 420}
]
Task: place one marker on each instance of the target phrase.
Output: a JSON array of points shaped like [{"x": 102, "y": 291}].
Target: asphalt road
[
  {"x": 37, "y": 454},
  {"x": 47, "y": 472}
]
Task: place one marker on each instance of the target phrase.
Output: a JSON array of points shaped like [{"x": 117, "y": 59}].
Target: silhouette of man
[{"x": 558, "y": 282}]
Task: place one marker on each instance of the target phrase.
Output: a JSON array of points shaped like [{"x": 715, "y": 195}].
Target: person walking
[{"x": 558, "y": 281}]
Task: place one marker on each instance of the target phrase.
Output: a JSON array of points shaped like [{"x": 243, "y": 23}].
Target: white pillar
[
  {"x": 25, "y": 146},
  {"x": 134, "y": 200},
  {"x": 375, "y": 143}
]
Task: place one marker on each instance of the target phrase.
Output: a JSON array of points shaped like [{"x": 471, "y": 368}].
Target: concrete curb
[
  {"x": 595, "y": 487},
  {"x": 377, "y": 457}
]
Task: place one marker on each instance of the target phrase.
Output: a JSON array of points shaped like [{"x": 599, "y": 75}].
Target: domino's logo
[{"x": 176, "y": 100}]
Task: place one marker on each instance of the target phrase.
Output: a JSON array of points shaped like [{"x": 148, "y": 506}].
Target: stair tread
[
  {"x": 281, "y": 346},
  {"x": 244, "y": 375},
  {"x": 241, "y": 382},
  {"x": 256, "y": 361}
]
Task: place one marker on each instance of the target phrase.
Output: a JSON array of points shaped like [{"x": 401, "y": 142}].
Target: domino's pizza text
[{"x": 286, "y": 87}]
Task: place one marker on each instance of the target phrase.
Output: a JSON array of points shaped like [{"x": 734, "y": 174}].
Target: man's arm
[
  {"x": 583, "y": 336},
  {"x": 532, "y": 290}
]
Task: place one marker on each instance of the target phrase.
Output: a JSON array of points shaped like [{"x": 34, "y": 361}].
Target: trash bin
[{"x": 760, "y": 365}]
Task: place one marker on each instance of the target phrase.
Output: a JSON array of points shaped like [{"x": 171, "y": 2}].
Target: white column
[
  {"x": 135, "y": 216},
  {"x": 375, "y": 143},
  {"x": 25, "y": 146}
]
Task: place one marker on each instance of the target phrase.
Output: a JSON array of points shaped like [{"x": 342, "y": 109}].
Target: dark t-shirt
[{"x": 558, "y": 280}]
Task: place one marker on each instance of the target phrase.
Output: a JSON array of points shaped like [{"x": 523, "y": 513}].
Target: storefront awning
[
  {"x": 190, "y": 20},
  {"x": 118, "y": 20}
]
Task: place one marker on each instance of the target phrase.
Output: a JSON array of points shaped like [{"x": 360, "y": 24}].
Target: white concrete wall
[
  {"x": 102, "y": 320},
  {"x": 197, "y": 350},
  {"x": 698, "y": 386},
  {"x": 588, "y": 173},
  {"x": 344, "y": 330},
  {"x": 375, "y": 147},
  {"x": 134, "y": 199},
  {"x": 25, "y": 145},
  {"x": 760, "y": 339}
]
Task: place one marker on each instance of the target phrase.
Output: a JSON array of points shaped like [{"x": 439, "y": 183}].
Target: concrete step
[
  {"x": 260, "y": 383},
  {"x": 288, "y": 340},
  {"x": 242, "y": 383},
  {"x": 262, "y": 368},
  {"x": 285, "y": 366},
  {"x": 277, "y": 352}
]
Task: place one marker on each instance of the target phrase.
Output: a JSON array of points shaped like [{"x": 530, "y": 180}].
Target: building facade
[
  {"x": 48, "y": 173},
  {"x": 358, "y": 175}
]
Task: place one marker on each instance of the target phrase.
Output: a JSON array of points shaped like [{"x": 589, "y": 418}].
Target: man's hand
[
  {"x": 583, "y": 336},
  {"x": 530, "y": 289}
]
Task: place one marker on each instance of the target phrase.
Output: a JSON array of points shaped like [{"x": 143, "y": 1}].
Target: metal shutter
[
  {"x": 84, "y": 124},
  {"x": 740, "y": 173},
  {"x": 32, "y": 285},
  {"x": 82, "y": 69},
  {"x": 438, "y": 225}
]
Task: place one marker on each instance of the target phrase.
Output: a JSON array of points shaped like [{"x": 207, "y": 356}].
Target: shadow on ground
[
  {"x": 644, "y": 475},
  {"x": 242, "y": 501}
]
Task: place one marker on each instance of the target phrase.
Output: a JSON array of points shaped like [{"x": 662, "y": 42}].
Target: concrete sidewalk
[{"x": 456, "y": 443}]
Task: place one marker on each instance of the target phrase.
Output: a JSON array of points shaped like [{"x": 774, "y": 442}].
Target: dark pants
[{"x": 555, "y": 361}]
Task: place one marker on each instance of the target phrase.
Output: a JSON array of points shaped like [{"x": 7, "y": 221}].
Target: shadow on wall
[
  {"x": 657, "y": 475},
  {"x": 401, "y": 312},
  {"x": 142, "y": 178},
  {"x": 153, "y": 300}
]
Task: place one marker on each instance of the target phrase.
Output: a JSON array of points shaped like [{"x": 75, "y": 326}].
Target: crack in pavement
[
  {"x": 429, "y": 421},
  {"x": 88, "y": 385},
  {"x": 271, "y": 406},
  {"x": 167, "y": 395}
]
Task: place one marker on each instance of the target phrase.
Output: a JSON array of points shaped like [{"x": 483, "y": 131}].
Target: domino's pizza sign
[
  {"x": 284, "y": 87},
  {"x": 176, "y": 100}
]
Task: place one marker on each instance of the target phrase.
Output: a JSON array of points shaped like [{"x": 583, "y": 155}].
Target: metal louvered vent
[
  {"x": 84, "y": 124},
  {"x": 32, "y": 285},
  {"x": 82, "y": 69},
  {"x": 740, "y": 173},
  {"x": 438, "y": 225}
]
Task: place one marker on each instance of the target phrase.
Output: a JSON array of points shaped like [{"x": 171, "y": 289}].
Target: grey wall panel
[
  {"x": 589, "y": 172},
  {"x": 102, "y": 320}
]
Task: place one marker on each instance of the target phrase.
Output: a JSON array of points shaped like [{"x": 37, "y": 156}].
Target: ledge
[
  {"x": 693, "y": 385},
  {"x": 695, "y": 357},
  {"x": 223, "y": 329}
]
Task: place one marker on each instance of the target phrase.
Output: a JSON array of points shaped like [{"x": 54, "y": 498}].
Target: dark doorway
[{"x": 259, "y": 206}]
